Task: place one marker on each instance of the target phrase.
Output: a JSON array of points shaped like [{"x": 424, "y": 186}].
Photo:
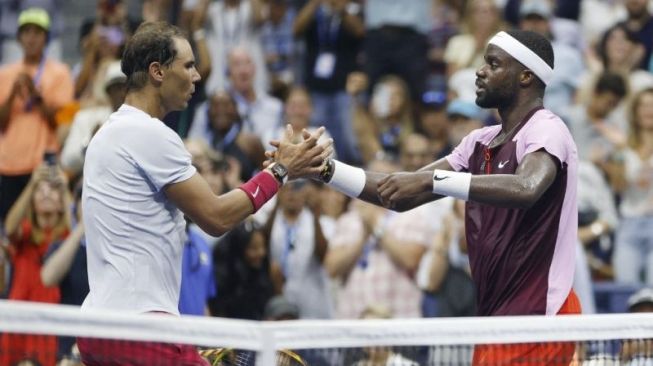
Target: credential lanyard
[{"x": 328, "y": 29}]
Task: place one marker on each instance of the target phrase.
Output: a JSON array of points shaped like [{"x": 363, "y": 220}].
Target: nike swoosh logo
[
  {"x": 502, "y": 164},
  {"x": 256, "y": 191},
  {"x": 440, "y": 178}
]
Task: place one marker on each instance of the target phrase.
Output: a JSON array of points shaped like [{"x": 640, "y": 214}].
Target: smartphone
[{"x": 50, "y": 158}]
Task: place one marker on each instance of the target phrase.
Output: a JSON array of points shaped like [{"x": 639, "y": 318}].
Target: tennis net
[{"x": 29, "y": 329}]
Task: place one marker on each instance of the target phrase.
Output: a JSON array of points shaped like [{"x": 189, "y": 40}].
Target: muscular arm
[
  {"x": 520, "y": 190},
  {"x": 370, "y": 192},
  {"x": 533, "y": 177},
  {"x": 214, "y": 214}
]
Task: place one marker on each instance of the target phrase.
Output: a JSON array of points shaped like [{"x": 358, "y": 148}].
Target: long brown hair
[{"x": 634, "y": 133}]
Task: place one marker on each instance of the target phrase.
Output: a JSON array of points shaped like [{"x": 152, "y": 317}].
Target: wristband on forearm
[
  {"x": 452, "y": 184},
  {"x": 344, "y": 178},
  {"x": 260, "y": 189}
]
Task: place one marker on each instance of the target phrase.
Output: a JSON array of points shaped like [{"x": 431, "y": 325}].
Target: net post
[{"x": 267, "y": 354}]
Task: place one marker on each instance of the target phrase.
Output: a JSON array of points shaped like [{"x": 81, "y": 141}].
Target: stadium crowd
[{"x": 393, "y": 83}]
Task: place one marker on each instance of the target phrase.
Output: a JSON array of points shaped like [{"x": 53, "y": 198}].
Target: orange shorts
[{"x": 527, "y": 354}]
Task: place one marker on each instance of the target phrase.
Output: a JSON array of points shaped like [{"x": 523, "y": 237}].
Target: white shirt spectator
[
  {"x": 307, "y": 283},
  {"x": 84, "y": 125},
  {"x": 261, "y": 117},
  {"x": 228, "y": 28},
  {"x": 135, "y": 236}
]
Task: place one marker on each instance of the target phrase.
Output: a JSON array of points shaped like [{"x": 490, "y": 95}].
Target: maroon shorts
[{"x": 104, "y": 352}]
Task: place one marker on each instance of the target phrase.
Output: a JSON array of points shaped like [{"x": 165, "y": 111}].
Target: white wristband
[
  {"x": 453, "y": 184},
  {"x": 347, "y": 179}
]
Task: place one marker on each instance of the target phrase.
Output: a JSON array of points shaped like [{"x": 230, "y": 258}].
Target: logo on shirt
[
  {"x": 502, "y": 164},
  {"x": 441, "y": 178},
  {"x": 256, "y": 191}
]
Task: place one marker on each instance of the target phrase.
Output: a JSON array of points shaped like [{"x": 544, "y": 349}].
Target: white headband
[{"x": 524, "y": 55}]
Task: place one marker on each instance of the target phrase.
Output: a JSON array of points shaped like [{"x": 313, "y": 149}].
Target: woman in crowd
[
  {"x": 245, "y": 278},
  {"x": 388, "y": 120},
  {"x": 39, "y": 217},
  {"x": 634, "y": 249}
]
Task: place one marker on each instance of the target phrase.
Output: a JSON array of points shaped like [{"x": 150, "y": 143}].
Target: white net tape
[{"x": 267, "y": 337}]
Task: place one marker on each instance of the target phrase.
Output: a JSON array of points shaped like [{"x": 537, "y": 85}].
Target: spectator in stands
[
  {"x": 222, "y": 128},
  {"x": 197, "y": 274},
  {"x": 299, "y": 246},
  {"x": 245, "y": 277},
  {"x": 634, "y": 251},
  {"x": 568, "y": 63},
  {"x": 375, "y": 253},
  {"x": 464, "y": 117},
  {"x": 332, "y": 31},
  {"x": 389, "y": 118},
  {"x": 88, "y": 120},
  {"x": 279, "y": 47},
  {"x": 181, "y": 121},
  {"x": 39, "y": 217},
  {"x": 599, "y": 130},
  {"x": 395, "y": 42},
  {"x": 639, "y": 352},
  {"x": 640, "y": 21},
  {"x": 31, "y": 92},
  {"x": 221, "y": 175},
  {"x": 618, "y": 51},
  {"x": 280, "y": 308},
  {"x": 597, "y": 220},
  {"x": 235, "y": 24},
  {"x": 64, "y": 267},
  {"x": 381, "y": 356},
  {"x": 11, "y": 48},
  {"x": 298, "y": 113},
  {"x": 482, "y": 19},
  {"x": 101, "y": 41},
  {"x": 446, "y": 275},
  {"x": 433, "y": 123},
  {"x": 261, "y": 114}
]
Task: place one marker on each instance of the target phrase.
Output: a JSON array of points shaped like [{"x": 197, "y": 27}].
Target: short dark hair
[
  {"x": 610, "y": 82},
  {"x": 536, "y": 43},
  {"x": 152, "y": 42}
]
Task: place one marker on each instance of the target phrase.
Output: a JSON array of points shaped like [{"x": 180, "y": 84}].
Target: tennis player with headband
[
  {"x": 519, "y": 181},
  {"x": 139, "y": 183}
]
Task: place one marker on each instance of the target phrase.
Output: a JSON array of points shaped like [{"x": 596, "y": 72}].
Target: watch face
[{"x": 280, "y": 169}]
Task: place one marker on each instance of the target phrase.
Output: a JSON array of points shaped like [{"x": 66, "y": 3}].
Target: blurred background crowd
[{"x": 392, "y": 81}]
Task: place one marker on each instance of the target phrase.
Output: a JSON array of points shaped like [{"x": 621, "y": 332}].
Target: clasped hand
[
  {"x": 396, "y": 187},
  {"x": 305, "y": 159}
]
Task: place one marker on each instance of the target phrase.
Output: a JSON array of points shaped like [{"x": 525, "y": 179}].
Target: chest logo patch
[{"x": 502, "y": 164}]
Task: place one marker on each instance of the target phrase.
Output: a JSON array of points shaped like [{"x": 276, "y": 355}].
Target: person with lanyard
[
  {"x": 32, "y": 91},
  {"x": 139, "y": 176},
  {"x": 299, "y": 246},
  {"x": 519, "y": 182},
  {"x": 333, "y": 31},
  {"x": 221, "y": 127}
]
